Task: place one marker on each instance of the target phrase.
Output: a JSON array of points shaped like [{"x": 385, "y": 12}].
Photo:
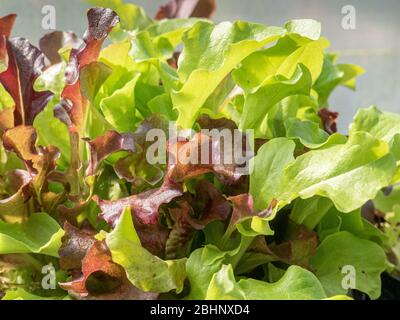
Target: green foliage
[
  {"x": 144, "y": 270},
  {"x": 40, "y": 234}
]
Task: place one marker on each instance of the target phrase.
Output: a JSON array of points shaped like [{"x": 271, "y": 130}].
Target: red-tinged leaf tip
[
  {"x": 18, "y": 178},
  {"x": 204, "y": 9},
  {"x": 22, "y": 141},
  {"x": 75, "y": 245},
  {"x": 206, "y": 122},
  {"x": 180, "y": 166},
  {"x": 96, "y": 260},
  {"x": 243, "y": 207},
  {"x": 107, "y": 144},
  {"x": 103, "y": 279},
  {"x": 179, "y": 152},
  {"x": 100, "y": 23},
  {"x": 61, "y": 112},
  {"x": 6, "y": 24},
  {"x": 25, "y": 64},
  {"x": 144, "y": 206},
  {"x": 328, "y": 120},
  {"x": 186, "y": 8}
]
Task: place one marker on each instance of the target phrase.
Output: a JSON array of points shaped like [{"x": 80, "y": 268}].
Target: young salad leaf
[{"x": 40, "y": 234}]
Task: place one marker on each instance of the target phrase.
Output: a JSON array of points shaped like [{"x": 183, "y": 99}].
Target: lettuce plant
[{"x": 316, "y": 217}]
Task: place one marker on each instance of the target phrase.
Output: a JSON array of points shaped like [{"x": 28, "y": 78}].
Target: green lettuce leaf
[
  {"x": 296, "y": 284},
  {"x": 382, "y": 125},
  {"x": 334, "y": 75},
  {"x": 295, "y": 106},
  {"x": 305, "y": 27},
  {"x": 281, "y": 59},
  {"x": 309, "y": 212},
  {"x": 210, "y": 53},
  {"x": 158, "y": 41},
  {"x": 144, "y": 270},
  {"x": 354, "y": 222},
  {"x": 267, "y": 170},
  {"x": 40, "y": 234},
  {"x": 51, "y": 131},
  {"x": 119, "y": 108},
  {"x": 310, "y": 134},
  {"x": 386, "y": 203},
  {"x": 331, "y": 223},
  {"x": 274, "y": 89},
  {"x": 204, "y": 262},
  {"x": 344, "y": 249},
  {"x": 200, "y": 267},
  {"x": 6, "y": 101},
  {"x": 349, "y": 174},
  {"x": 52, "y": 79},
  {"x": 21, "y": 294}
]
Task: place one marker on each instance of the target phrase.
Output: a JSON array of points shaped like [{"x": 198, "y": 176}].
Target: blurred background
[{"x": 374, "y": 44}]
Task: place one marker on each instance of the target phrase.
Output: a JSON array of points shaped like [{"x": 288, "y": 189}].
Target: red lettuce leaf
[
  {"x": 180, "y": 168},
  {"x": 52, "y": 42},
  {"x": 194, "y": 212},
  {"x": 182, "y": 230},
  {"x": 75, "y": 245},
  {"x": 103, "y": 279},
  {"x": 107, "y": 144},
  {"x": 144, "y": 206},
  {"x": 22, "y": 141},
  {"x": 328, "y": 120},
  {"x": 243, "y": 208},
  {"x": 209, "y": 204},
  {"x": 298, "y": 246},
  {"x": 67, "y": 214},
  {"x": 25, "y": 64},
  {"x": 153, "y": 237},
  {"x": 72, "y": 108},
  {"x": 74, "y": 103},
  {"x": 135, "y": 167},
  {"x": 39, "y": 161},
  {"x": 6, "y": 25},
  {"x": 186, "y": 8}
]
